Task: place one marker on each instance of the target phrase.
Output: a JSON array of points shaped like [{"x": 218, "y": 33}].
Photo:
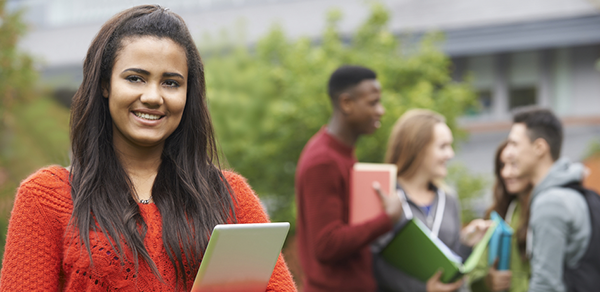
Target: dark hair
[
  {"x": 345, "y": 78},
  {"x": 542, "y": 123},
  {"x": 189, "y": 190},
  {"x": 501, "y": 201}
]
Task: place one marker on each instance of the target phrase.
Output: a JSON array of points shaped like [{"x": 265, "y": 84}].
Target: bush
[
  {"x": 268, "y": 100},
  {"x": 469, "y": 188}
]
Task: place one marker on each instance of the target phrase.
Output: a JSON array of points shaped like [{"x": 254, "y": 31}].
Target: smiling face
[
  {"x": 147, "y": 91},
  {"x": 438, "y": 152},
  {"x": 366, "y": 109},
  {"x": 520, "y": 152},
  {"x": 514, "y": 183}
]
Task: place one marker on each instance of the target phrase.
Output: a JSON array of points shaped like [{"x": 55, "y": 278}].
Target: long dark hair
[
  {"x": 190, "y": 191},
  {"x": 502, "y": 199}
]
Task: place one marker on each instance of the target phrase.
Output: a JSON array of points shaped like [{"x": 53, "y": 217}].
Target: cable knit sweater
[{"x": 39, "y": 257}]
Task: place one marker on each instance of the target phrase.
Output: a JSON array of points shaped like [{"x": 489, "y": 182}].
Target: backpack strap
[{"x": 577, "y": 186}]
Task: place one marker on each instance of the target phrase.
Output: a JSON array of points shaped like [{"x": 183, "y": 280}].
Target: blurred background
[{"x": 267, "y": 66}]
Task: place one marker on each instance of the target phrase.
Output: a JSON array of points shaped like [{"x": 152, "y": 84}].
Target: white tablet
[{"x": 240, "y": 257}]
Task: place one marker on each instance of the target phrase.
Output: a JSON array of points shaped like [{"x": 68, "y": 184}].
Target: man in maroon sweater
[{"x": 334, "y": 255}]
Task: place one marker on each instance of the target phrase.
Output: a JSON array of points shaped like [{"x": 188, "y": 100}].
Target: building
[
  {"x": 516, "y": 52},
  {"x": 543, "y": 53}
]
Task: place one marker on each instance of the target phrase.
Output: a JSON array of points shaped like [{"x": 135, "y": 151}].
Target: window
[
  {"x": 484, "y": 98},
  {"x": 522, "y": 96},
  {"x": 481, "y": 71},
  {"x": 523, "y": 75}
]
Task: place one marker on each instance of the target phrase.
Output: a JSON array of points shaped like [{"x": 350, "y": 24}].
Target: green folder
[{"x": 415, "y": 252}]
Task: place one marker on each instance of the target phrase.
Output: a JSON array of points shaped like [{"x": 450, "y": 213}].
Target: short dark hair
[
  {"x": 345, "y": 78},
  {"x": 542, "y": 123}
]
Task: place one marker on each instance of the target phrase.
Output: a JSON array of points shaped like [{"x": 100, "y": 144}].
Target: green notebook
[{"x": 415, "y": 252}]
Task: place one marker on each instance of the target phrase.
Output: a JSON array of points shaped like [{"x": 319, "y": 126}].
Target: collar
[
  {"x": 432, "y": 187},
  {"x": 336, "y": 144},
  {"x": 433, "y": 220}
]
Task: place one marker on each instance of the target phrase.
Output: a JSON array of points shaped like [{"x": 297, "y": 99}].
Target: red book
[{"x": 364, "y": 201}]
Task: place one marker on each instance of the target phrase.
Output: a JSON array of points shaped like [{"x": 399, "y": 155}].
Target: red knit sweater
[
  {"x": 39, "y": 257},
  {"x": 335, "y": 256}
]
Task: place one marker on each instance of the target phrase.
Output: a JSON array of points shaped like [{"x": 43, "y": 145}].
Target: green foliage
[
  {"x": 25, "y": 142},
  {"x": 17, "y": 75},
  {"x": 267, "y": 101},
  {"x": 30, "y": 145},
  {"x": 16, "y": 68},
  {"x": 468, "y": 187}
]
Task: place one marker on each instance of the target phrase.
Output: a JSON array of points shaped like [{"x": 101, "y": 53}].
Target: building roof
[
  {"x": 523, "y": 36},
  {"x": 424, "y": 15},
  {"x": 63, "y": 29}
]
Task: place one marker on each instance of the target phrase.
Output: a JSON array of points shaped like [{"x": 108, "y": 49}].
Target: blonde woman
[{"x": 421, "y": 145}]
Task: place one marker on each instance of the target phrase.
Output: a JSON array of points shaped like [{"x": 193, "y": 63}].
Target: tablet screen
[{"x": 240, "y": 257}]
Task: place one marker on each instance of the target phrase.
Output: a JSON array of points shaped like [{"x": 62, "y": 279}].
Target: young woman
[
  {"x": 420, "y": 145},
  {"x": 511, "y": 201},
  {"x": 144, "y": 190}
]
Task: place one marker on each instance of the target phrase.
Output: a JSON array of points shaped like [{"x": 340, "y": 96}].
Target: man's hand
[
  {"x": 392, "y": 205},
  {"x": 434, "y": 284},
  {"x": 498, "y": 280}
]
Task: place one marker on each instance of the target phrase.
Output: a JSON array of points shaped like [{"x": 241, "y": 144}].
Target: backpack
[{"x": 586, "y": 276}]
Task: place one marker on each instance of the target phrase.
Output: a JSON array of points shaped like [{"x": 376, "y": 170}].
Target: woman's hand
[
  {"x": 498, "y": 280},
  {"x": 434, "y": 284},
  {"x": 474, "y": 232}
]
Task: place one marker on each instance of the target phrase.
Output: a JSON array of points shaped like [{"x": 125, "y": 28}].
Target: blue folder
[{"x": 500, "y": 243}]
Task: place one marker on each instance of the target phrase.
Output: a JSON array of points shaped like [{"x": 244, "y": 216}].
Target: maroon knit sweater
[{"x": 334, "y": 255}]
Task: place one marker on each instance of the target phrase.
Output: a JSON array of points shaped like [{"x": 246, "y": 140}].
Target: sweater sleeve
[
  {"x": 250, "y": 210},
  {"x": 331, "y": 238},
  {"x": 550, "y": 226},
  {"x": 32, "y": 255}
]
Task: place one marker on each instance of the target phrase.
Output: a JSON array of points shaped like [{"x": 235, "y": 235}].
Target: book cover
[
  {"x": 364, "y": 201},
  {"x": 500, "y": 243},
  {"x": 505, "y": 248},
  {"x": 415, "y": 252}
]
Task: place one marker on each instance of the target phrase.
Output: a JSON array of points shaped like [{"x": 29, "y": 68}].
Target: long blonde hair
[{"x": 410, "y": 137}]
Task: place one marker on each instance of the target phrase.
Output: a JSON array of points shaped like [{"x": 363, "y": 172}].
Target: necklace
[{"x": 147, "y": 201}]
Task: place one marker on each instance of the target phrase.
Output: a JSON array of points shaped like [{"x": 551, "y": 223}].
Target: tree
[
  {"x": 17, "y": 78},
  {"x": 16, "y": 68},
  {"x": 267, "y": 101}
]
